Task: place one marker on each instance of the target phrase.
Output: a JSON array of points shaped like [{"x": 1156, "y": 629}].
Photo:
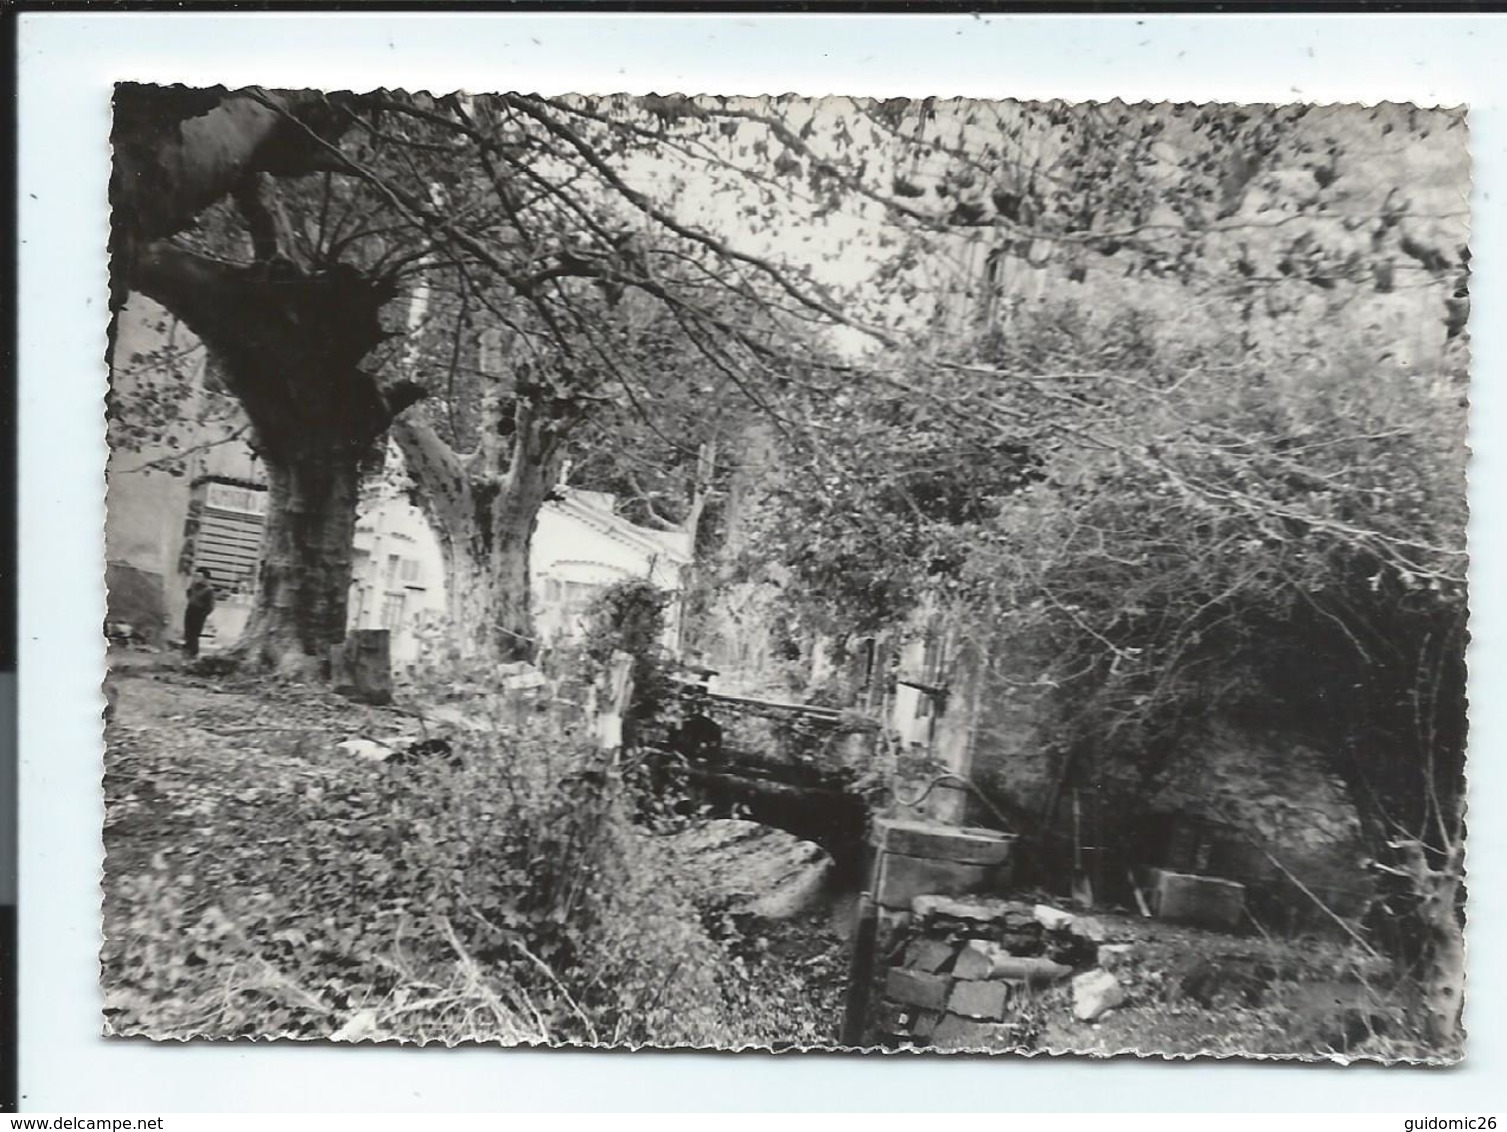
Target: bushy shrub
[
  {"x": 629, "y": 617},
  {"x": 508, "y": 898}
]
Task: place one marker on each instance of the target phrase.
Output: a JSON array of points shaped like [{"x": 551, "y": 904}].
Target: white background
[{"x": 68, "y": 62}]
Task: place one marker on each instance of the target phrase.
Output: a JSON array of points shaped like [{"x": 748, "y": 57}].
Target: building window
[
  {"x": 223, "y": 534},
  {"x": 552, "y": 589},
  {"x": 392, "y": 570},
  {"x": 392, "y": 611},
  {"x": 410, "y": 570}
]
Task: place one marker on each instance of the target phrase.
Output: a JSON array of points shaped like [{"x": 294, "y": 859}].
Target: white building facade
[
  {"x": 582, "y": 546},
  {"x": 397, "y": 575}
]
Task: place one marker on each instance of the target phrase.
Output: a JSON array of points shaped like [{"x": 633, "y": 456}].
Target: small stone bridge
[{"x": 792, "y": 766}]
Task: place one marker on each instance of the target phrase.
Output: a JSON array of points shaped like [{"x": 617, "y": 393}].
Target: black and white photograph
[{"x": 786, "y": 573}]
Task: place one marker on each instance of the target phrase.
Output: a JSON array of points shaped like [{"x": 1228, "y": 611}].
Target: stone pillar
[
  {"x": 912, "y": 859},
  {"x": 361, "y": 669},
  {"x": 925, "y": 859},
  {"x": 952, "y": 744},
  {"x": 612, "y": 702}
]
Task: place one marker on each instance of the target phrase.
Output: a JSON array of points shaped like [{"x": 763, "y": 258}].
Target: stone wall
[
  {"x": 948, "y": 964},
  {"x": 971, "y": 974}
]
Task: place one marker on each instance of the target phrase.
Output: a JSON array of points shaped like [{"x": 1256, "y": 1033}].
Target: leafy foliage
[
  {"x": 629, "y": 617},
  {"x": 1202, "y": 533},
  {"x": 164, "y": 402},
  {"x": 505, "y": 899},
  {"x": 1271, "y": 210}
]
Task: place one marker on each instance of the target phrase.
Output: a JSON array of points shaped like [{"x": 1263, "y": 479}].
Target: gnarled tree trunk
[
  {"x": 290, "y": 349},
  {"x": 290, "y": 341},
  {"x": 469, "y": 593},
  {"x": 304, "y": 576},
  {"x": 515, "y": 517},
  {"x": 487, "y": 577},
  {"x": 485, "y": 519}
]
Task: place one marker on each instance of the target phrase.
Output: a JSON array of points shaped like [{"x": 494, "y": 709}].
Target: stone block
[
  {"x": 361, "y": 669},
  {"x": 916, "y": 988},
  {"x": 925, "y": 1023},
  {"x": 1094, "y": 992},
  {"x": 1206, "y": 902},
  {"x": 1053, "y": 919},
  {"x": 983, "y": 999},
  {"x": 929, "y": 955},
  {"x": 957, "y": 1033},
  {"x": 902, "y": 879},
  {"x": 943, "y": 842},
  {"x": 975, "y": 960}
]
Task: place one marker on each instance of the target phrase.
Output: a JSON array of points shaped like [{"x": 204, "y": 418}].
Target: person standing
[{"x": 201, "y": 603}]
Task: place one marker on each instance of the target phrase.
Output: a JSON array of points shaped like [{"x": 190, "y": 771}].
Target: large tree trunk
[
  {"x": 290, "y": 349},
  {"x": 485, "y": 520},
  {"x": 290, "y": 340},
  {"x": 454, "y": 496},
  {"x": 488, "y": 582},
  {"x": 469, "y": 598},
  {"x": 305, "y": 571},
  {"x": 515, "y": 517}
]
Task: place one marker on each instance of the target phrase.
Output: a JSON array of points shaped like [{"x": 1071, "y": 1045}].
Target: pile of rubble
[{"x": 977, "y": 974}]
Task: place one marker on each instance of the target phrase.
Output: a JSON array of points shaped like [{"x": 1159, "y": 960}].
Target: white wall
[
  {"x": 571, "y": 552},
  {"x": 391, "y": 526}
]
